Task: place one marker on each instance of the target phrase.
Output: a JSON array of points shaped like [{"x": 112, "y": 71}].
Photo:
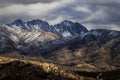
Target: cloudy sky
[{"x": 91, "y": 13}]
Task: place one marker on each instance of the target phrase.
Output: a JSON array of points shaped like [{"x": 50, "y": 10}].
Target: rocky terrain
[
  {"x": 37, "y": 36},
  {"x": 67, "y": 44}
]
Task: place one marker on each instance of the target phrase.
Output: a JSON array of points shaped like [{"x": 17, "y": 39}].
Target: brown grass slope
[{"x": 14, "y": 69}]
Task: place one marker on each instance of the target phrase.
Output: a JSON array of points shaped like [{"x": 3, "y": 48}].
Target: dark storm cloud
[
  {"x": 93, "y": 13},
  {"x": 31, "y": 10},
  {"x": 105, "y": 14}
]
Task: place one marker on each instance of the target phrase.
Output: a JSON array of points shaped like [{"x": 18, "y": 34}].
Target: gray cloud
[
  {"x": 92, "y": 13},
  {"x": 25, "y": 1},
  {"x": 4, "y": 3}
]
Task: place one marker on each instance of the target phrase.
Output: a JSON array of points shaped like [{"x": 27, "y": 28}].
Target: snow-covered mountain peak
[
  {"x": 64, "y": 28},
  {"x": 67, "y": 23},
  {"x": 36, "y": 35},
  {"x": 18, "y": 22},
  {"x": 37, "y": 22},
  {"x": 69, "y": 27}
]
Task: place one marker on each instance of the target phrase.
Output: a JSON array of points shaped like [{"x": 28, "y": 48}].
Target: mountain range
[{"x": 67, "y": 43}]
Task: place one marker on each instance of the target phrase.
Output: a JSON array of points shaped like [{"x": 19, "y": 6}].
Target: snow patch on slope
[{"x": 66, "y": 34}]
